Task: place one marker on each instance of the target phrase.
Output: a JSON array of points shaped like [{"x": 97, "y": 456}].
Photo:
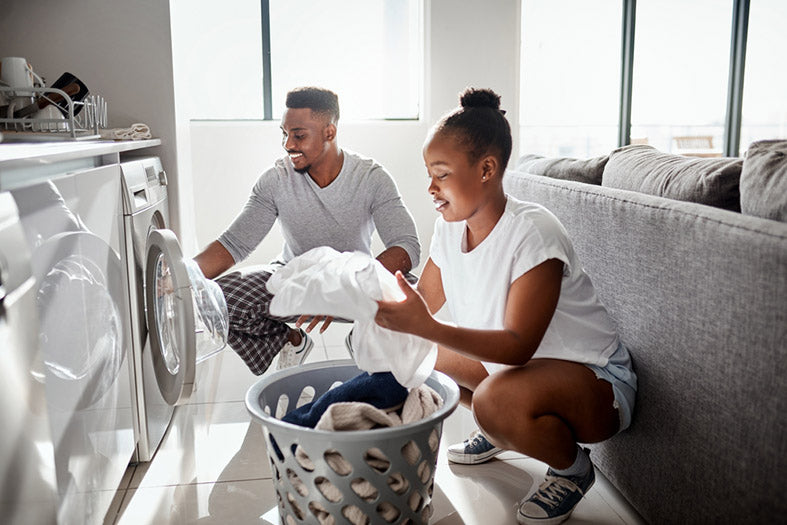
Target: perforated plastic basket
[{"x": 383, "y": 475}]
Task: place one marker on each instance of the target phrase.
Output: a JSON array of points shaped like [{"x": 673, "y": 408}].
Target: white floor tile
[
  {"x": 232, "y": 502},
  {"x": 337, "y": 352},
  {"x": 207, "y": 443},
  {"x": 231, "y": 377},
  {"x": 335, "y": 334}
]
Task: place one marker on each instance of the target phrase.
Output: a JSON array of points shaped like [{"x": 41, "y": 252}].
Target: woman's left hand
[{"x": 411, "y": 315}]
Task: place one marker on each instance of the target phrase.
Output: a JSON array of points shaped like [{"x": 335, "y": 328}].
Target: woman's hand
[{"x": 410, "y": 316}]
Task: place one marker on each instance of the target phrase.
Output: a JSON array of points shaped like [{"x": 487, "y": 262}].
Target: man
[{"x": 322, "y": 196}]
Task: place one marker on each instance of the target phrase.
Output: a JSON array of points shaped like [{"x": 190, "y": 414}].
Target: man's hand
[
  {"x": 314, "y": 321},
  {"x": 395, "y": 258}
]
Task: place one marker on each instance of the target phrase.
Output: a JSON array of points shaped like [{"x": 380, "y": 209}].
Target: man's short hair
[{"x": 319, "y": 100}]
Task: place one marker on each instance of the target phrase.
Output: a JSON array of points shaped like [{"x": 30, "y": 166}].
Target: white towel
[
  {"x": 323, "y": 281},
  {"x": 138, "y": 131}
]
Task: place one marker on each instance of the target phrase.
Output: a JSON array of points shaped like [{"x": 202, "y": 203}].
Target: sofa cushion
[
  {"x": 645, "y": 169},
  {"x": 764, "y": 180},
  {"x": 588, "y": 171}
]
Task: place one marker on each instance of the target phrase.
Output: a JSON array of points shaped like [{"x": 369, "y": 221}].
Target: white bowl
[{"x": 49, "y": 119}]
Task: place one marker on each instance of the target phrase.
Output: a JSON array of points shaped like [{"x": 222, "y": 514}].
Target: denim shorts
[{"x": 621, "y": 376}]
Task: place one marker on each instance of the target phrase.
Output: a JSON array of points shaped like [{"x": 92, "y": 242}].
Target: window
[
  {"x": 370, "y": 52},
  {"x": 223, "y": 63},
  {"x": 682, "y": 92},
  {"x": 681, "y": 68},
  {"x": 570, "y": 77},
  {"x": 764, "y": 112}
]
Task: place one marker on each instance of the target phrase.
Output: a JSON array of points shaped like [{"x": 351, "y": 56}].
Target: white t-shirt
[{"x": 476, "y": 283}]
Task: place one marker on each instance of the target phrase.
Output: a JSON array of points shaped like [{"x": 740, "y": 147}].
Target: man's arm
[
  {"x": 394, "y": 224},
  {"x": 214, "y": 260},
  {"x": 244, "y": 233}
]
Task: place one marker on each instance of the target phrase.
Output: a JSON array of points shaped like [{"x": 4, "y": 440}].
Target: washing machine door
[
  {"x": 186, "y": 313},
  {"x": 170, "y": 314}
]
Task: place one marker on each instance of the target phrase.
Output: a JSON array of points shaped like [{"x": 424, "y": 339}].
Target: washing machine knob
[{"x": 162, "y": 177}]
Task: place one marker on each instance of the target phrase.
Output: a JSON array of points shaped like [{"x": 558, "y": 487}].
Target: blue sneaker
[
  {"x": 555, "y": 499},
  {"x": 475, "y": 449}
]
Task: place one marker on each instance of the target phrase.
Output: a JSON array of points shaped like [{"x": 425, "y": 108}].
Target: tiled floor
[{"x": 213, "y": 468}]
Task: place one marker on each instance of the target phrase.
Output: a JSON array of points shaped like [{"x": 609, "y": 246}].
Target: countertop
[
  {"x": 58, "y": 151},
  {"x": 22, "y": 164}
]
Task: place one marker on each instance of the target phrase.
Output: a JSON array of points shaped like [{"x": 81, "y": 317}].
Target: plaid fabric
[{"x": 254, "y": 334}]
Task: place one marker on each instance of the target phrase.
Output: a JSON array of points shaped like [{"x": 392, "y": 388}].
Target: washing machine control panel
[{"x": 144, "y": 183}]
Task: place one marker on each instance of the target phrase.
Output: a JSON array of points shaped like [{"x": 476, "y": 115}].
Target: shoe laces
[
  {"x": 475, "y": 438},
  {"x": 552, "y": 491}
]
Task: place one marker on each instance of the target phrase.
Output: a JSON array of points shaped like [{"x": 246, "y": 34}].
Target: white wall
[
  {"x": 469, "y": 42},
  {"x": 122, "y": 50}
]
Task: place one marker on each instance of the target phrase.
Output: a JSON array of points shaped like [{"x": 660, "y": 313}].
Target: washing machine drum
[{"x": 187, "y": 315}]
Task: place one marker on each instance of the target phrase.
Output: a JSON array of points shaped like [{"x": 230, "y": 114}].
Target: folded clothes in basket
[
  {"x": 323, "y": 281},
  {"x": 380, "y": 391}
]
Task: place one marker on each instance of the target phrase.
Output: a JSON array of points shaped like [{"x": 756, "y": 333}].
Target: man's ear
[{"x": 329, "y": 132}]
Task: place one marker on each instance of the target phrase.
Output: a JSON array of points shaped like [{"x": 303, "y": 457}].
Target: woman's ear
[{"x": 489, "y": 166}]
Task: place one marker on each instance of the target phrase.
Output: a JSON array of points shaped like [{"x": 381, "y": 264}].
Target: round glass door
[
  {"x": 164, "y": 308},
  {"x": 170, "y": 315}
]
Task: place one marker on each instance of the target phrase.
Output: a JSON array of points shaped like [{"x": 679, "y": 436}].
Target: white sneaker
[{"x": 291, "y": 355}]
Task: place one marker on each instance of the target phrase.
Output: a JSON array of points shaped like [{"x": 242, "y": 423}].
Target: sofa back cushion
[
  {"x": 581, "y": 170},
  {"x": 764, "y": 180},
  {"x": 642, "y": 168}
]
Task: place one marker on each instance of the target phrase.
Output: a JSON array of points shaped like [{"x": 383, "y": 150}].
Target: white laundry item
[
  {"x": 323, "y": 281},
  {"x": 138, "y": 131}
]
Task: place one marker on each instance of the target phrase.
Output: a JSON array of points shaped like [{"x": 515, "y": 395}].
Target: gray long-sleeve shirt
[{"x": 343, "y": 215}]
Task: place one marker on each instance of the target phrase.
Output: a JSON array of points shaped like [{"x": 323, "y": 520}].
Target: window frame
[{"x": 732, "y": 119}]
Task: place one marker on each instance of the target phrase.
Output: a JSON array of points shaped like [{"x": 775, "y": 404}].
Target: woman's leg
[
  {"x": 544, "y": 408},
  {"x": 468, "y": 373}
]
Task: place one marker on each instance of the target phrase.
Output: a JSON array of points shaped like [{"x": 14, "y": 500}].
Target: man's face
[{"x": 306, "y": 136}]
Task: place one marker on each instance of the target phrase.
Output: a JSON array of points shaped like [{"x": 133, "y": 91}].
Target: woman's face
[{"x": 456, "y": 185}]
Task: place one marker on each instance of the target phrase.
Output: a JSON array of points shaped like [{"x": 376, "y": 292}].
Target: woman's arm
[
  {"x": 531, "y": 302},
  {"x": 430, "y": 286}
]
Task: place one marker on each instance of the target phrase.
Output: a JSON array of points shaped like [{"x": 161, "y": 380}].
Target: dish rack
[{"x": 70, "y": 126}]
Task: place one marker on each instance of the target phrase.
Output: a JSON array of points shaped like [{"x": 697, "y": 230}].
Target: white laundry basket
[{"x": 383, "y": 475}]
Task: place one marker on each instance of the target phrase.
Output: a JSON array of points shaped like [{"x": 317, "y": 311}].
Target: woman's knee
[{"x": 490, "y": 403}]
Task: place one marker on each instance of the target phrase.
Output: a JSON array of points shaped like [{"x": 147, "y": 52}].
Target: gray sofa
[{"x": 700, "y": 298}]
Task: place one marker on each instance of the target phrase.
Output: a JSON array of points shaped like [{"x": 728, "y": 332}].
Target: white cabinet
[{"x": 73, "y": 226}]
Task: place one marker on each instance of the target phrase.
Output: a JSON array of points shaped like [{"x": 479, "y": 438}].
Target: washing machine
[
  {"x": 28, "y": 493},
  {"x": 178, "y": 317},
  {"x": 73, "y": 228}
]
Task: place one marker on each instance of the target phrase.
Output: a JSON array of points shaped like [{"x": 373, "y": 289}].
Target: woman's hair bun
[{"x": 479, "y": 98}]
